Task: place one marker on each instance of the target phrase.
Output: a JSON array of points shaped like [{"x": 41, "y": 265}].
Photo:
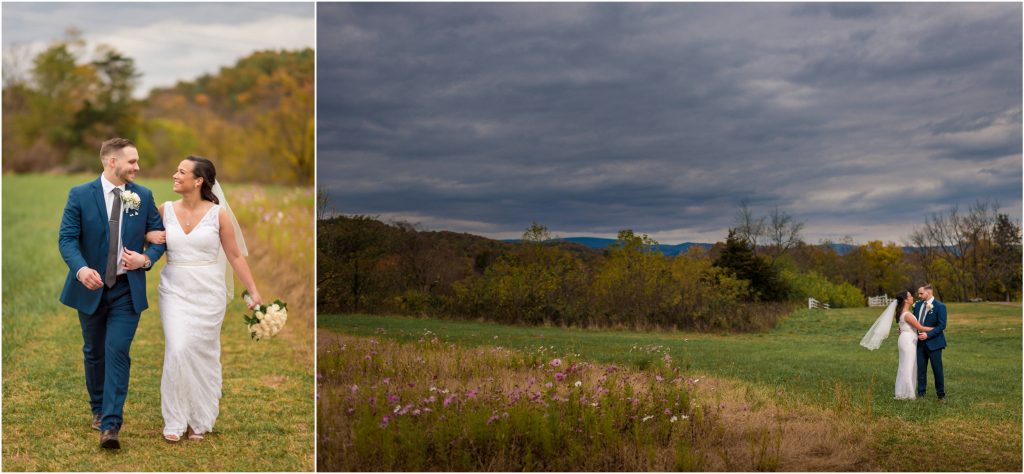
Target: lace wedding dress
[
  {"x": 906, "y": 374},
  {"x": 193, "y": 298}
]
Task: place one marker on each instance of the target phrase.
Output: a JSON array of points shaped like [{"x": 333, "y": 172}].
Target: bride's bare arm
[
  {"x": 913, "y": 322},
  {"x": 157, "y": 236},
  {"x": 235, "y": 257}
]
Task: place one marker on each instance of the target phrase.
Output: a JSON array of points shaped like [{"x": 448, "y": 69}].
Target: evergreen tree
[
  {"x": 738, "y": 258},
  {"x": 1006, "y": 256}
]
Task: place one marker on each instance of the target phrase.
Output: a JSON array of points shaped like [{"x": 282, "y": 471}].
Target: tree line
[
  {"x": 762, "y": 271},
  {"x": 254, "y": 119}
]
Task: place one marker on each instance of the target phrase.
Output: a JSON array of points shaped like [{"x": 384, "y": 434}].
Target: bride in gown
[
  {"x": 202, "y": 239},
  {"x": 906, "y": 372}
]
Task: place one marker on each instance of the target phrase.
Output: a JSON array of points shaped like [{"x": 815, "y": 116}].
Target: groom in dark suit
[
  {"x": 930, "y": 312},
  {"x": 102, "y": 234}
]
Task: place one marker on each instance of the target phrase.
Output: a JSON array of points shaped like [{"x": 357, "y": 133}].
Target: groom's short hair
[
  {"x": 927, "y": 286},
  {"x": 114, "y": 145}
]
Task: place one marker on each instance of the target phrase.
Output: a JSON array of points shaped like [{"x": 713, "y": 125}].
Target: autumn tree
[
  {"x": 633, "y": 285},
  {"x": 963, "y": 241}
]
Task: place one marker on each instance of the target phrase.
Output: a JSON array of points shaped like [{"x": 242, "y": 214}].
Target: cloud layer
[{"x": 856, "y": 118}]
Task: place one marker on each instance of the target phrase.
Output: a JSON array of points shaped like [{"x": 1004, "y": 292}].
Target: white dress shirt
[
  {"x": 108, "y": 199},
  {"x": 924, "y": 309}
]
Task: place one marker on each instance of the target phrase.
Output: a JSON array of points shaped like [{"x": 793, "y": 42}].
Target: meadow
[
  {"x": 266, "y": 412},
  {"x": 802, "y": 397}
]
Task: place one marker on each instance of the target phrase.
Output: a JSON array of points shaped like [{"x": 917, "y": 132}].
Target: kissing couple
[
  {"x": 111, "y": 233},
  {"x": 922, "y": 338}
]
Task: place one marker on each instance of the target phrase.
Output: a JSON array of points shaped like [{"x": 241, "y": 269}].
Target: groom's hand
[
  {"x": 922, "y": 336},
  {"x": 132, "y": 260},
  {"x": 90, "y": 278}
]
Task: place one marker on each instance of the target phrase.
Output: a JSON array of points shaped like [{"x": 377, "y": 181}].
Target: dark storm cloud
[{"x": 592, "y": 118}]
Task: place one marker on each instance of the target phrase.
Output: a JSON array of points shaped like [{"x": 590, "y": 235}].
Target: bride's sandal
[
  {"x": 192, "y": 435},
  {"x": 172, "y": 438}
]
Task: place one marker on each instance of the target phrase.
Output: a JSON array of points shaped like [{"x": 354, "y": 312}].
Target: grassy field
[
  {"x": 811, "y": 365},
  {"x": 266, "y": 413}
]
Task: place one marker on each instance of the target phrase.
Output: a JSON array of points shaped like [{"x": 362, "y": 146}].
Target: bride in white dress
[
  {"x": 906, "y": 372},
  {"x": 202, "y": 238}
]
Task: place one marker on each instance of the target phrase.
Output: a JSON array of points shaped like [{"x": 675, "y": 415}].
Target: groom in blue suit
[
  {"x": 102, "y": 234},
  {"x": 930, "y": 312}
]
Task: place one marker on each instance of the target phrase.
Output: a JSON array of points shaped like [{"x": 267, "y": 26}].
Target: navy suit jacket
[
  {"x": 936, "y": 318},
  {"x": 84, "y": 241}
]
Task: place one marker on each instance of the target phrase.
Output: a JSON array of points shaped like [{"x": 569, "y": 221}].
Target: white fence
[
  {"x": 883, "y": 300},
  {"x": 815, "y": 304}
]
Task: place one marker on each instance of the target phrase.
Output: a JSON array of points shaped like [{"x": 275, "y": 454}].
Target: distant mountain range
[
  {"x": 668, "y": 250},
  {"x": 600, "y": 243}
]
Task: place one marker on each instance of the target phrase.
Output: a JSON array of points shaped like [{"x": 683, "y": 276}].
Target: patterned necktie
[
  {"x": 115, "y": 227},
  {"x": 924, "y": 307}
]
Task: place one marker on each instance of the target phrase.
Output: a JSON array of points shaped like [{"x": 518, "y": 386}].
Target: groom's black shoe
[
  {"x": 108, "y": 439},
  {"x": 96, "y": 421}
]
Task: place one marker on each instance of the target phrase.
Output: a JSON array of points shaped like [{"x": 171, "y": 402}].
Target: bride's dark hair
[
  {"x": 903, "y": 298},
  {"x": 204, "y": 168}
]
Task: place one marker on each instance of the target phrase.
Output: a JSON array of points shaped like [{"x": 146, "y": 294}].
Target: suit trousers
[
  {"x": 924, "y": 356},
  {"x": 107, "y": 336}
]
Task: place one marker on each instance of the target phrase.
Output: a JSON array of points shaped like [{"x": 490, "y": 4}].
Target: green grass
[
  {"x": 266, "y": 412},
  {"x": 812, "y": 358}
]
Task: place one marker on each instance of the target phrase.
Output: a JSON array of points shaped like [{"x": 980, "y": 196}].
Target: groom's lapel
[
  {"x": 101, "y": 204},
  {"x": 125, "y": 216}
]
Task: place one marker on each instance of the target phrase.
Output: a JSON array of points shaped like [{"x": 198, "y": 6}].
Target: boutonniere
[
  {"x": 130, "y": 202},
  {"x": 928, "y": 307}
]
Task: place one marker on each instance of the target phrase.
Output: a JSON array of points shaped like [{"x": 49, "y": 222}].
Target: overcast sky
[
  {"x": 168, "y": 41},
  {"x": 858, "y": 119}
]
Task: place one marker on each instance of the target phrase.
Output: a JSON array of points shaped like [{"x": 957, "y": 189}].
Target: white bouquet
[{"x": 265, "y": 320}]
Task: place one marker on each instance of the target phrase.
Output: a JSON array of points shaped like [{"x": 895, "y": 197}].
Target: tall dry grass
[
  {"x": 434, "y": 406},
  {"x": 278, "y": 226}
]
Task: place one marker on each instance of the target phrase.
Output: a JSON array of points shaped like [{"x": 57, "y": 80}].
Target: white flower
[
  {"x": 130, "y": 202},
  {"x": 647, "y": 418},
  {"x": 673, "y": 419},
  {"x": 578, "y": 383}
]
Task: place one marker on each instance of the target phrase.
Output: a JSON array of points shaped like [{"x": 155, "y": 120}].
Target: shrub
[{"x": 812, "y": 285}]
